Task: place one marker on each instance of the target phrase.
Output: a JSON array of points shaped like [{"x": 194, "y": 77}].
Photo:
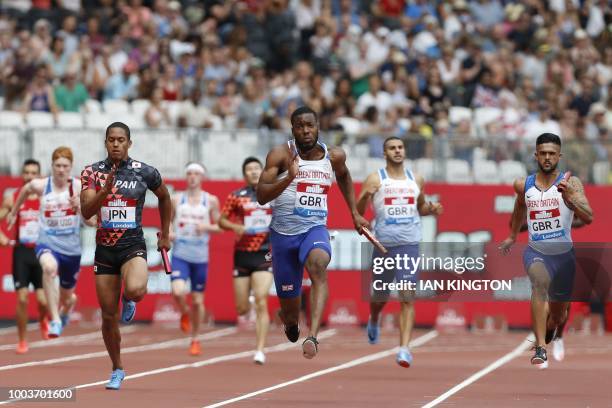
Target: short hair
[
  {"x": 390, "y": 138},
  {"x": 248, "y": 161},
  {"x": 548, "y": 138},
  {"x": 62, "y": 152},
  {"x": 302, "y": 110},
  {"x": 31, "y": 162},
  {"x": 118, "y": 125}
]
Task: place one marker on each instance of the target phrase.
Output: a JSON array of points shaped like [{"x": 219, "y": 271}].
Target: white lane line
[
  {"x": 214, "y": 360},
  {"x": 183, "y": 341},
  {"x": 476, "y": 376},
  {"x": 67, "y": 339},
  {"x": 362, "y": 360}
]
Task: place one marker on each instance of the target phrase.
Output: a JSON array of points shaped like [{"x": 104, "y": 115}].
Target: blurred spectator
[
  {"x": 157, "y": 115},
  {"x": 58, "y": 58},
  {"x": 70, "y": 95},
  {"x": 137, "y": 17},
  {"x": 542, "y": 124},
  {"x": 122, "y": 85},
  {"x": 39, "y": 95},
  {"x": 251, "y": 109},
  {"x": 68, "y": 33},
  {"x": 192, "y": 114},
  {"x": 374, "y": 97},
  {"x": 171, "y": 85}
]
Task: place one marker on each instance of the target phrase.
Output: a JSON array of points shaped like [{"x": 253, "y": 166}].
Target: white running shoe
[
  {"x": 558, "y": 349},
  {"x": 259, "y": 358},
  {"x": 542, "y": 366}
]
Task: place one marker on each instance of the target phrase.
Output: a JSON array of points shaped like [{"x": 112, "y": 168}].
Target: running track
[{"x": 460, "y": 370}]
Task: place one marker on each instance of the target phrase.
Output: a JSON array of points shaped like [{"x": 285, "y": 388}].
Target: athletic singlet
[
  {"x": 120, "y": 218},
  {"x": 395, "y": 207},
  {"x": 60, "y": 224},
  {"x": 303, "y": 204},
  {"x": 189, "y": 245},
  {"x": 549, "y": 220},
  {"x": 27, "y": 222},
  {"x": 242, "y": 206}
]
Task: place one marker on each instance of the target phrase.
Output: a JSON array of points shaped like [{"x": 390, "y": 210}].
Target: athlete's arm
[
  {"x": 269, "y": 187},
  {"x": 76, "y": 204},
  {"x": 575, "y": 199},
  {"x": 229, "y": 208},
  {"x": 5, "y": 209},
  {"x": 518, "y": 215},
  {"x": 214, "y": 215},
  {"x": 36, "y": 186},
  {"x": 345, "y": 182},
  {"x": 92, "y": 201},
  {"x": 165, "y": 214},
  {"x": 369, "y": 187},
  {"x": 426, "y": 207},
  {"x": 171, "y": 232}
]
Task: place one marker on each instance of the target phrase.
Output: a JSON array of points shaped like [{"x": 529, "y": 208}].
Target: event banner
[{"x": 475, "y": 216}]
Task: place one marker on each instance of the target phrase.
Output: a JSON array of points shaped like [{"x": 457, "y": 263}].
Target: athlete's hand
[
  {"x": 110, "y": 180},
  {"x": 164, "y": 242},
  {"x": 75, "y": 203},
  {"x": 360, "y": 222},
  {"x": 11, "y": 218},
  {"x": 506, "y": 244},
  {"x": 171, "y": 236},
  {"x": 293, "y": 166},
  {"x": 435, "y": 208},
  {"x": 4, "y": 240}
]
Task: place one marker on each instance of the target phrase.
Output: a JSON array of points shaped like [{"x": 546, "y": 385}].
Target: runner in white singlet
[
  {"x": 549, "y": 200},
  {"x": 398, "y": 201}
]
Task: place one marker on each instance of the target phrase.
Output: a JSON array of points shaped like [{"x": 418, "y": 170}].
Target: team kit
[{"x": 279, "y": 219}]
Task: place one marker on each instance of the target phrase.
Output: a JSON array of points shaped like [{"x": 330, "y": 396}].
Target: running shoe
[
  {"x": 65, "y": 319},
  {"x": 116, "y": 378},
  {"x": 55, "y": 329},
  {"x": 22, "y": 347},
  {"x": 128, "y": 310},
  {"x": 292, "y": 333},
  {"x": 185, "y": 323},
  {"x": 558, "y": 349},
  {"x": 373, "y": 332},
  {"x": 44, "y": 328},
  {"x": 259, "y": 358},
  {"x": 540, "y": 356},
  {"x": 404, "y": 357},
  {"x": 310, "y": 347},
  {"x": 195, "y": 349}
]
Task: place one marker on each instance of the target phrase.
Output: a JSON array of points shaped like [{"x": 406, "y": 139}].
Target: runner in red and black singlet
[
  {"x": 115, "y": 190},
  {"x": 252, "y": 272}
]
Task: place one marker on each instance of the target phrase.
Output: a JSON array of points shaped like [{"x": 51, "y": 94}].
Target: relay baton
[
  {"x": 368, "y": 234},
  {"x": 165, "y": 259},
  {"x": 566, "y": 177}
]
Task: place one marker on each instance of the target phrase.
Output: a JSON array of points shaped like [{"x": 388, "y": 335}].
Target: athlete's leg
[
  {"x": 242, "y": 288},
  {"x": 540, "y": 281},
  {"x": 261, "y": 282},
  {"x": 198, "y": 273},
  {"x": 406, "y": 322},
  {"x": 316, "y": 265},
  {"x": 135, "y": 275},
  {"x": 67, "y": 300},
  {"x": 180, "y": 295},
  {"x": 290, "y": 310},
  {"x": 108, "y": 289},
  {"x": 558, "y": 314},
  {"x": 21, "y": 313},
  {"x": 41, "y": 299},
  {"x": 197, "y": 312},
  {"x": 180, "y": 274},
  {"x": 49, "y": 266}
]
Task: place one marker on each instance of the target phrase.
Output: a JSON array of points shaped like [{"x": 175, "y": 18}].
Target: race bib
[
  {"x": 546, "y": 224},
  {"x": 119, "y": 213},
  {"x": 60, "y": 221},
  {"x": 400, "y": 209},
  {"x": 311, "y": 200},
  {"x": 28, "y": 227},
  {"x": 257, "y": 221}
]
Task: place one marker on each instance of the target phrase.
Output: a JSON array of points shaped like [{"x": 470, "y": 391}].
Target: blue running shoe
[
  {"x": 373, "y": 332},
  {"x": 116, "y": 378},
  {"x": 128, "y": 310},
  {"x": 55, "y": 329},
  {"x": 404, "y": 357},
  {"x": 65, "y": 318}
]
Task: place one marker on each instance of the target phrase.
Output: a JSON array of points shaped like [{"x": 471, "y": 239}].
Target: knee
[
  {"x": 109, "y": 317},
  {"x": 22, "y": 301},
  {"x": 261, "y": 303},
  {"x": 242, "y": 308},
  {"x": 49, "y": 270},
  {"x": 136, "y": 294}
]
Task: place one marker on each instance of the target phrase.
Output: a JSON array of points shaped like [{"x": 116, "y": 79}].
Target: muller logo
[
  {"x": 117, "y": 203},
  {"x": 315, "y": 189}
]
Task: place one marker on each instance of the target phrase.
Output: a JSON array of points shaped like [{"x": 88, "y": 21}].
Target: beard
[
  {"x": 545, "y": 171},
  {"x": 303, "y": 148}
]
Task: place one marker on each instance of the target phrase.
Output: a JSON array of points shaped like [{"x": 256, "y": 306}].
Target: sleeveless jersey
[
  {"x": 189, "y": 245},
  {"x": 395, "y": 207},
  {"x": 242, "y": 206},
  {"x": 303, "y": 204},
  {"x": 60, "y": 224},
  {"x": 549, "y": 220},
  {"x": 27, "y": 221}
]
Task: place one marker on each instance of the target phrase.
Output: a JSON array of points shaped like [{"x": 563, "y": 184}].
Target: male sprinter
[
  {"x": 250, "y": 221},
  {"x": 58, "y": 247},
  {"x": 115, "y": 189},
  {"x": 550, "y": 202},
  {"x": 398, "y": 200},
  {"x": 26, "y": 268},
  {"x": 296, "y": 179},
  {"x": 193, "y": 211}
]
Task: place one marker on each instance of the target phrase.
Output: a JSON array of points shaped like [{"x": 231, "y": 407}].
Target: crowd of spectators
[{"x": 374, "y": 66}]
